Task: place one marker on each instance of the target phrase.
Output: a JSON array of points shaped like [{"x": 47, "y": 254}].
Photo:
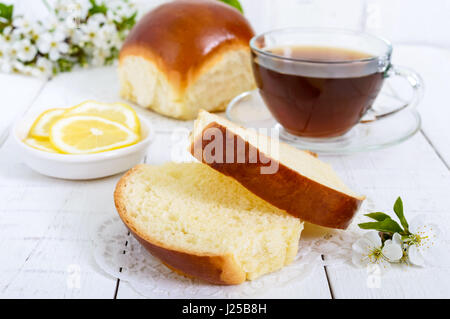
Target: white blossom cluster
[
  {"x": 413, "y": 248},
  {"x": 76, "y": 33}
]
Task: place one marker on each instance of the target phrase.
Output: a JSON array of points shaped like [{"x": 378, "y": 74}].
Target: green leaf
[
  {"x": 6, "y": 15},
  {"x": 65, "y": 65},
  {"x": 234, "y": 3},
  {"x": 97, "y": 8},
  {"x": 398, "y": 209},
  {"x": 127, "y": 23},
  {"x": 114, "y": 55},
  {"x": 6, "y": 12},
  {"x": 387, "y": 225},
  {"x": 378, "y": 216}
]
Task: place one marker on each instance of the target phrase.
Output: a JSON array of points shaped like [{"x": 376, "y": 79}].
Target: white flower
[
  {"x": 394, "y": 248},
  {"x": 12, "y": 65},
  {"x": 120, "y": 13},
  {"x": 6, "y": 66},
  {"x": 44, "y": 67},
  {"x": 53, "y": 44},
  {"x": 36, "y": 31},
  {"x": 113, "y": 16},
  {"x": 96, "y": 20},
  {"x": 9, "y": 57},
  {"x": 3, "y": 43},
  {"x": 75, "y": 35},
  {"x": 423, "y": 241},
  {"x": 3, "y": 53},
  {"x": 34, "y": 47},
  {"x": 19, "y": 67},
  {"x": 91, "y": 34},
  {"x": 99, "y": 56},
  {"x": 25, "y": 50},
  {"x": 54, "y": 25},
  {"x": 120, "y": 10},
  {"x": 8, "y": 37},
  {"x": 73, "y": 9},
  {"x": 7, "y": 30},
  {"x": 51, "y": 23},
  {"x": 5, "y": 60},
  {"x": 369, "y": 250},
  {"x": 82, "y": 7},
  {"x": 22, "y": 25},
  {"x": 110, "y": 37},
  {"x": 11, "y": 53}
]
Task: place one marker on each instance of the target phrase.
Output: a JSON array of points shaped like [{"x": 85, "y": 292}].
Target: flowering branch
[
  {"x": 77, "y": 33},
  {"x": 6, "y": 13},
  {"x": 391, "y": 242}
]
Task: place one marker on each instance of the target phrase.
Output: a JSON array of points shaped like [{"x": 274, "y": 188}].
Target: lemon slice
[
  {"x": 117, "y": 112},
  {"x": 40, "y": 144},
  {"x": 40, "y": 127},
  {"x": 85, "y": 134}
]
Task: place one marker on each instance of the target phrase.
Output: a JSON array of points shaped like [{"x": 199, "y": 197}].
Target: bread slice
[
  {"x": 288, "y": 178},
  {"x": 203, "y": 224}
]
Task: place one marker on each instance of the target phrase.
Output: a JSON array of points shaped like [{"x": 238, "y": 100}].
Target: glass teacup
[{"x": 319, "y": 83}]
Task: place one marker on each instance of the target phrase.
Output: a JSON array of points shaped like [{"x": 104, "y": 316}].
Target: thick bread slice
[
  {"x": 290, "y": 179},
  {"x": 203, "y": 224}
]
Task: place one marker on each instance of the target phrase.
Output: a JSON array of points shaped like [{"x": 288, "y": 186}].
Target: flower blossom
[{"x": 370, "y": 250}]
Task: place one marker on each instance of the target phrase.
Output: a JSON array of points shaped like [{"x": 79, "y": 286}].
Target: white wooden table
[{"x": 45, "y": 223}]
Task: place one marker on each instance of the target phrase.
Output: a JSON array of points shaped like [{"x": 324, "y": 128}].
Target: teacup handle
[{"x": 416, "y": 83}]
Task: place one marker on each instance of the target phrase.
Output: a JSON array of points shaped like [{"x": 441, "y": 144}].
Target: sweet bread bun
[
  {"x": 288, "y": 178},
  {"x": 187, "y": 55},
  {"x": 203, "y": 224}
]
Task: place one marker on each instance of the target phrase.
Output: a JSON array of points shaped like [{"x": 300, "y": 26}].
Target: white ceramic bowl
[{"x": 80, "y": 167}]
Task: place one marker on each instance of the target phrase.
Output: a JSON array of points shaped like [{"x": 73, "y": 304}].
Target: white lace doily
[{"x": 121, "y": 256}]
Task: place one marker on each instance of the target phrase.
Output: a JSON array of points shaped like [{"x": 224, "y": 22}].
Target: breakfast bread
[
  {"x": 204, "y": 224},
  {"x": 187, "y": 55},
  {"x": 288, "y": 178}
]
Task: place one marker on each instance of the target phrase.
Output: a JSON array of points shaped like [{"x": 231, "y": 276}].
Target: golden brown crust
[
  {"x": 181, "y": 36},
  {"x": 219, "y": 270},
  {"x": 286, "y": 189}
]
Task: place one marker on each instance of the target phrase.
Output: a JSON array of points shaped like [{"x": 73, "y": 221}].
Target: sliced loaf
[
  {"x": 288, "y": 178},
  {"x": 203, "y": 224}
]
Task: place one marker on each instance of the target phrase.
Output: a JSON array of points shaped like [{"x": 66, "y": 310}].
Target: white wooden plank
[
  {"x": 17, "y": 92},
  {"x": 414, "y": 171},
  {"x": 47, "y": 222},
  {"x": 411, "y": 170},
  {"x": 433, "y": 64},
  {"x": 46, "y": 233},
  {"x": 418, "y": 22},
  {"x": 408, "y": 283}
]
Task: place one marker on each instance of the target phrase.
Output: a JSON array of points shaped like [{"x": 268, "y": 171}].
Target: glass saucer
[{"x": 249, "y": 110}]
